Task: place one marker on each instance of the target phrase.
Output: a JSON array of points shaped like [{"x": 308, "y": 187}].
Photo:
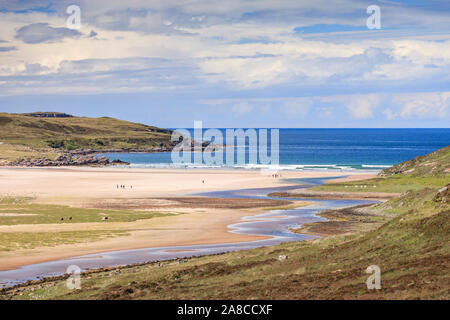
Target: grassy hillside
[
  {"x": 411, "y": 250},
  {"x": 432, "y": 170},
  {"x": 46, "y": 131},
  {"x": 435, "y": 164}
]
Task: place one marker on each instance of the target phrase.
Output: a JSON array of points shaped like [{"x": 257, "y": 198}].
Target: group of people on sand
[
  {"x": 122, "y": 186},
  {"x": 276, "y": 175}
]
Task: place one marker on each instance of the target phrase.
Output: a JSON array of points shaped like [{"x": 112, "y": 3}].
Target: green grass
[
  {"x": 10, "y": 241},
  {"x": 25, "y": 212},
  {"x": 23, "y": 135},
  {"x": 429, "y": 171},
  {"x": 11, "y": 152},
  {"x": 394, "y": 184},
  {"x": 436, "y": 163}
]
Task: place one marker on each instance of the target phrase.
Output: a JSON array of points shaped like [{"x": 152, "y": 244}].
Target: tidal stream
[{"x": 275, "y": 224}]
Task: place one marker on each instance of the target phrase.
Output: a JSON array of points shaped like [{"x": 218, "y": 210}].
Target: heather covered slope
[{"x": 436, "y": 163}]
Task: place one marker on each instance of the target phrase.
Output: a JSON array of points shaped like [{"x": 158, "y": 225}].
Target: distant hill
[
  {"x": 44, "y": 130},
  {"x": 436, "y": 163}
]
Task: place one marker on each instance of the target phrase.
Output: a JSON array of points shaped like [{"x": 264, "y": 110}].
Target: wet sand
[
  {"x": 201, "y": 223},
  {"x": 196, "y": 228}
]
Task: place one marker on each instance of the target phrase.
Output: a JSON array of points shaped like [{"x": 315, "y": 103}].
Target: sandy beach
[
  {"x": 202, "y": 221},
  {"x": 64, "y": 184}
]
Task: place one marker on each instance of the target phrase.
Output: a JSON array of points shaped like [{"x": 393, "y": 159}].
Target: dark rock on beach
[
  {"x": 119, "y": 162},
  {"x": 65, "y": 159}
]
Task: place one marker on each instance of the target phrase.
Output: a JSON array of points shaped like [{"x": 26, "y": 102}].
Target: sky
[{"x": 230, "y": 63}]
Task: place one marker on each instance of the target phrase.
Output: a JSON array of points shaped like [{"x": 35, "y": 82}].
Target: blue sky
[{"x": 230, "y": 63}]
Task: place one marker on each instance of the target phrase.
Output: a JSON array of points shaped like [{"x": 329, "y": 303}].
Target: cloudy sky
[{"x": 230, "y": 63}]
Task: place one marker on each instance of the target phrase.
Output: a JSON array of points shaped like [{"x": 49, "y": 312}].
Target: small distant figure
[
  {"x": 203, "y": 181},
  {"x": 70, "y": 218},
  {"x": 104, "y": 218},
  {"x": 62, "y": 219},
  {"x": 117, "y": 186}
]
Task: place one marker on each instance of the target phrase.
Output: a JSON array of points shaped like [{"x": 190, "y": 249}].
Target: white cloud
[
  {"x": 236, "y": 45},
  {"x": 298, "y": 107},
  {"x": 242, "y": 108},
  {"x": 390, "y": 115},
  {"x": 432, "y": 105},
  {"x": 362, "y": 106},
  {"x": 397, "y": 106},
  {"x": 358, "y": 106},
  {"x": 325, "y": 112}
]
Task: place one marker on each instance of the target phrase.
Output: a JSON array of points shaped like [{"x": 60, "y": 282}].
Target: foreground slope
[{"x": 411, "y": 250}]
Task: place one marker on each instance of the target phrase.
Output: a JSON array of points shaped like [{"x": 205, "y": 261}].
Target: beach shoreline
[{"x": 201, "y": 223}]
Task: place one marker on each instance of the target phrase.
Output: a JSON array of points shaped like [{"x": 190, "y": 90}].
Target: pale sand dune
[{"x": 75, "y": 186}]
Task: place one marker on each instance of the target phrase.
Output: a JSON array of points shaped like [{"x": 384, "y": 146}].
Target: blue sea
[{"x": 330, "y": 149}]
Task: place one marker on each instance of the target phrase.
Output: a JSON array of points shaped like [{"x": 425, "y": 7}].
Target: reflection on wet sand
[{"x": 274, "y": 224}]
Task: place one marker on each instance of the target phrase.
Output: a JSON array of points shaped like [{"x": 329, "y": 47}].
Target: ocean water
[{"x": 330, "y": 149}]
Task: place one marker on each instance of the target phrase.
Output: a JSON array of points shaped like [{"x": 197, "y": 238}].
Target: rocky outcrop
[
  {"x": 85, "y": 152},
  {"x": 443, "y": 195},
  {"x": 119, "y": 162},
  {"x": 85, "y": 157},
  {"x": 47, "y": 115},
  {"x": 62, "y": 160}
]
